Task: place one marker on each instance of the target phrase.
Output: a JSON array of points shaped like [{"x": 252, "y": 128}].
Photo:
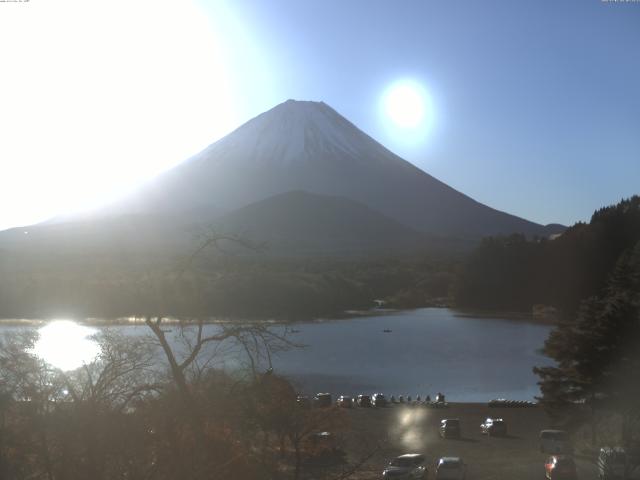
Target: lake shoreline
[
  {"x": 409, "y": 354},
  {"x": 345, "y": 315}
]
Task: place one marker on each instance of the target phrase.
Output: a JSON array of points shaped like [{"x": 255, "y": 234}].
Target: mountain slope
[
  {"x": 304, "y": 222},
  {"x": 309, "y": 146}
]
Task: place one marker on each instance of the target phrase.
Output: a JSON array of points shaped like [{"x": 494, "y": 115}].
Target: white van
[
  {"x": 612, "y": 463},
  {"x": 555, "y": 441}
]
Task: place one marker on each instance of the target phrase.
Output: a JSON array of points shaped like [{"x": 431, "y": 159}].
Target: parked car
[
  {"x": 410, "y": 465},
  {"x": 378, "y": 400},
  {"x": 555, "y": 441},
  {"x": 450, "y": 428},
  {"x": 494, "y": 426},
  {"x": 560, "y": 467},
  {"x": 364, "y": 401},
  {"x": 322, "y": 400},
  {"x": 451, "y": 468},
  {"x": 303, "y": 401},
  {"x": 345, "y": 401},
  {"x": 613, "y": 463}
]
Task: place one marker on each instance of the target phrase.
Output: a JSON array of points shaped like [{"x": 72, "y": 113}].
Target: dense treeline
[
  {"x": 216, "y": 284},
  {"x": 598, "y": 361},
  {"x": 516, "y": 273},
  {"x": 591, "y": 273}
]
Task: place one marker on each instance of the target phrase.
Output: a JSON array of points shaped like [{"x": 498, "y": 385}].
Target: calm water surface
[{"x": 428, "y": 350}]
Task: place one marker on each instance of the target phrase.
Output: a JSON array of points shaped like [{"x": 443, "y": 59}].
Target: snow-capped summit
[{"x": 293, "y": 131}]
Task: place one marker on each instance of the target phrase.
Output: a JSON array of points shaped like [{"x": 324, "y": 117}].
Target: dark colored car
[
  {"x": 560, "y": 467},
  {"x": 364, "y": 401},
  {"x": 345, "y": 401},
  {"x": 303, "y": 401},
  {"x": 451, "y": 468},
  {"x": 378, "y": 400},
  {"x": 450, "y": 428},
  {"x": 494, "y": 427},
  {"x": 322, "y": 400}
]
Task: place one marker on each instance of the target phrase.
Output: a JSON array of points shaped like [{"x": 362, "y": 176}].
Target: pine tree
[{"x": 598, "y": 353}]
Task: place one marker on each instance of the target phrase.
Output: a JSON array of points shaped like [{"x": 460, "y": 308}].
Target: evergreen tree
[{"x": 598, "y": 352}]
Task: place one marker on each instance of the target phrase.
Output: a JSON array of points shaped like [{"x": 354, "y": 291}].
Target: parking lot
[{"x": 400, "y": 429}]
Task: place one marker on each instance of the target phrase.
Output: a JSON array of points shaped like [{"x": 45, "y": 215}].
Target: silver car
[
  {"x": 410, "y": 465},
  {"x": 451, "y": 468}
]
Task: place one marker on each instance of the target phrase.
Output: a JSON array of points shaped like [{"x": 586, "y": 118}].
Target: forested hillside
[
  {"x": 516, "y": 273},
  {"x": 236, "y": 286}
]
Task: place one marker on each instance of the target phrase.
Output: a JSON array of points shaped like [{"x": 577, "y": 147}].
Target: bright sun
[{"x": 406, "y": 104}]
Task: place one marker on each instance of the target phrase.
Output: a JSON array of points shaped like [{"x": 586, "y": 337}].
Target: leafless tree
[
  {"x": 66, "y": 424},
  {"x": 197, "y": 345}
]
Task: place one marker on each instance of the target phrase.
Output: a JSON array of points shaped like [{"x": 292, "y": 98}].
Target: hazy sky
[{"x": 534, "y": 106}]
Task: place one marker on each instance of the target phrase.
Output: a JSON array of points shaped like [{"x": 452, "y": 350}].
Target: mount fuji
[
  {"x": 308, "y": 146},
  {"x": 299, "y": 177}
]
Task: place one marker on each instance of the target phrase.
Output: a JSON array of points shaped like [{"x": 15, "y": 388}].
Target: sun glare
[
  {"x": 98, "y": 96},
  {"x": 66, "y": 345},
  {"x": 407, "y": 113},
  {"x": 405, "y": 106},
  {"x": 405, "y": 103},
  {"x": 409, "y": 428}
]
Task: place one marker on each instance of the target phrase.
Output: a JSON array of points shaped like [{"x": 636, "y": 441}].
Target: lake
[
  {"x": 469, "y": 358},
  {"x": 429, "y": 350}
]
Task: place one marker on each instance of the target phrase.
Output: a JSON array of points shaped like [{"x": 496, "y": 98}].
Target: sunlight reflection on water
[{"x": 66, "y": 345}]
